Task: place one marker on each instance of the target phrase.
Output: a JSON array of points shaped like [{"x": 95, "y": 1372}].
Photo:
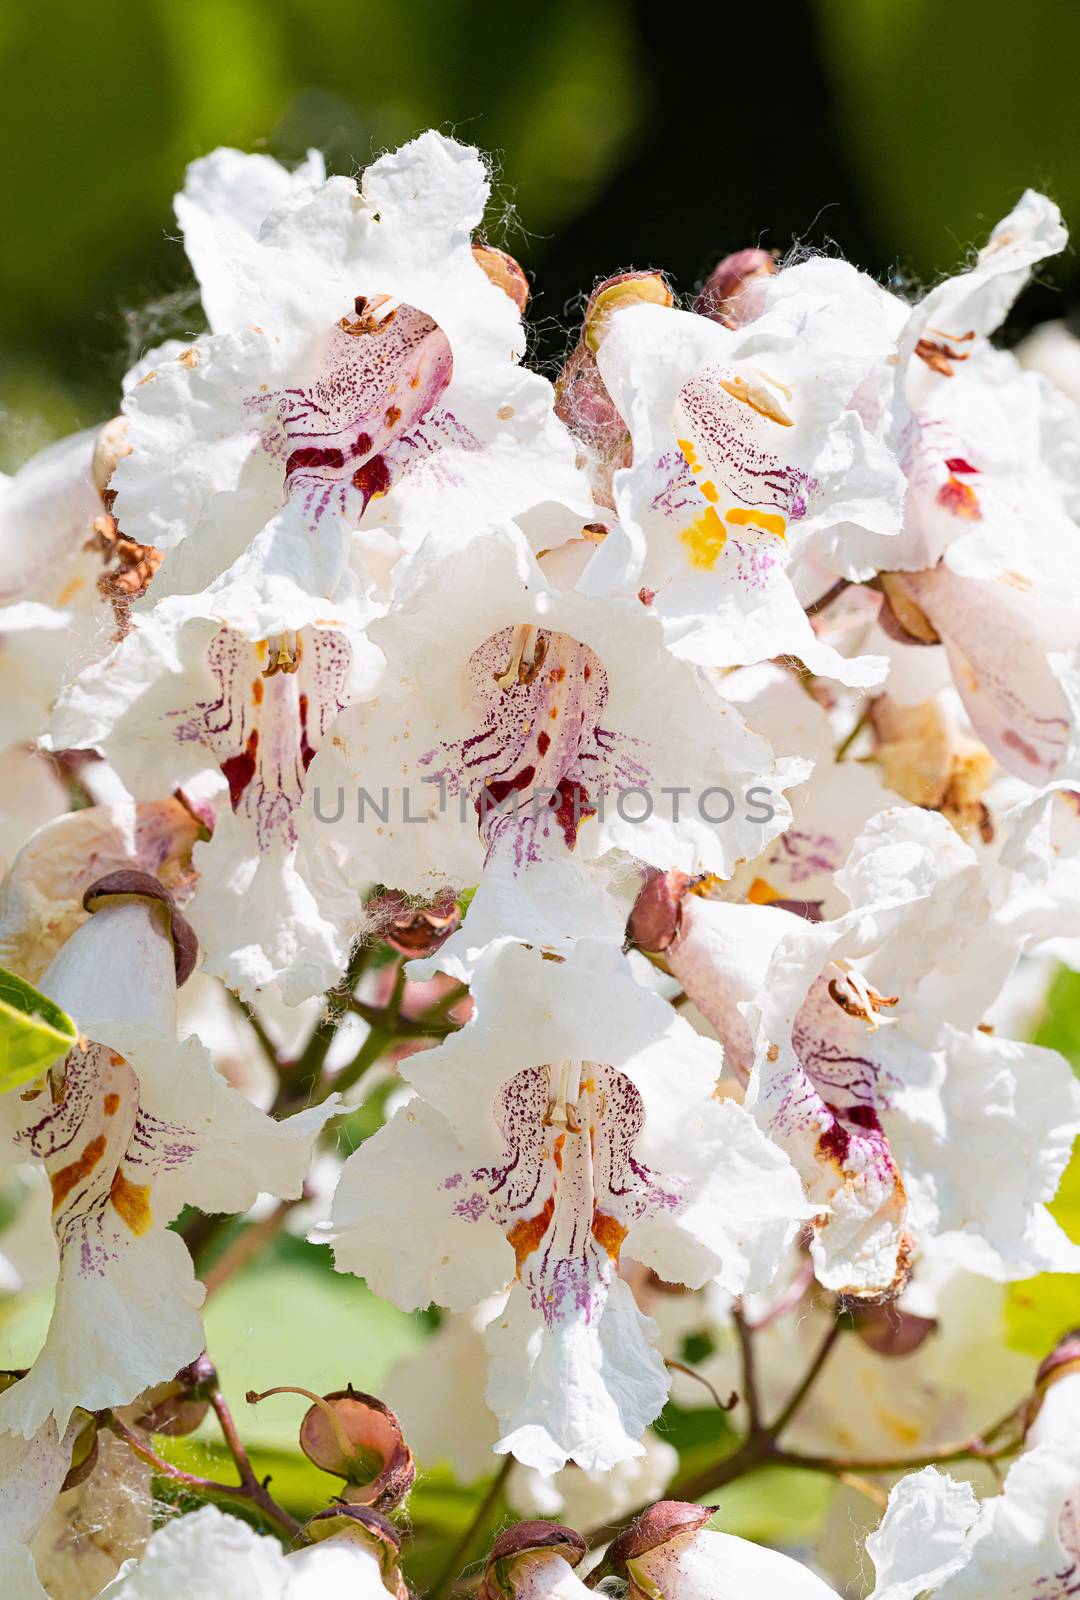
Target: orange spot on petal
[{"x": 63, "y": 1181}]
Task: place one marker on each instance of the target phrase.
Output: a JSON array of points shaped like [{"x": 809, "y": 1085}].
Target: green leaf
[
  {"x": 33, "y": 1032},
  {"x": 1038, "y": 1311}
]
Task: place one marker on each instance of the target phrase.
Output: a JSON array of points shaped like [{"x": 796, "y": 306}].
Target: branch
[{"x": 444, "y": 1583}]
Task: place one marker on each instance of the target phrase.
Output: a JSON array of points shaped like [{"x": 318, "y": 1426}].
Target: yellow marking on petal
[
  {"x": 710, "y": 491},
  {"x": 762, "y": 893},
  {"x": 132, "y": 1203},
  {"x": 69, "y": 591},
  {"x": 689, "y": 451},
  {"x": 704, "y": 539},
  {"x": 757, "y": 397},
  {"x": 749, "y": 517},
  {"x": 112, "y": 1104}
]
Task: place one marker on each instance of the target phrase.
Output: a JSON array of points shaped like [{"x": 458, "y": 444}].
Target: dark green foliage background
[{"x": 623, "y": 134}]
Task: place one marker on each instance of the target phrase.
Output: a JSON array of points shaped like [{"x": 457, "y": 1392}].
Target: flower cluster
[{"x": 669, "y": 771}]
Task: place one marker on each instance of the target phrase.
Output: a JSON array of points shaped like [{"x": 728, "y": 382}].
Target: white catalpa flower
[
  {"x": 362, "y": 369},
  {"x": 523, "y": 720},
  {"x": 1022, "y": 1544},
  {"x": 868, "y": 1066},
  {"x": 41, "y": 897},
  {"x": 670, "y": 1551},
  {"x": 984, "y": 565},
  {"x": 748, "y": 452},
  {"x": 32, "y": 1474},
  {"x": 211, "y": 1556},
  {"x": 449, "y": 1421},
  {"x": 129, "y": 1128},
  {"x": 198, "y": 687},
  {"x": 548, "y": 1132},
  {"x": 53, "y": 612}
]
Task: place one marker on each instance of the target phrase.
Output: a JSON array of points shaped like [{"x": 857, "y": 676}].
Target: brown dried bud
[
  {"x": 727, "y": 296},
  {"x": 84, "y": 1451},
  {"x": 504, "y": 272},
  {"x": 519, "y": 1541},
  {"x": 668, "y": 1519},
  {"x": 356, "y": 1437},
  {"x": 655, "y": 920},
  {"x": 888, "y": 1331},
  {"x": 143, "y": 885},
  {"x": 414, "y": 930}
]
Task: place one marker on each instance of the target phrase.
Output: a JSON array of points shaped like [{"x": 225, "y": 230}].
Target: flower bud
[
  {"x": 414, "y": 930},
  {"x": 615, "y": 294},
  {"x": 511, "y": 1557},
  {"x": 174, "y": 1408},
  {"x": 728, "y": 295},
  {"x": 355, "y": 1437},
  {"x": 901, "y": 617},
  {"x": 654, "y": 921},
  {"x": 667, "y": 1520},
  {"x": 84, "y": 1450},
  {"x": 367, "y": 1528},
  {"x": 504, "y": 272},
  {"x": 582, "y": 401},
  {"x": 129, "y": 883},
  {"x": 888, "y": 1331},
  {"x": 118, "y": 967}
]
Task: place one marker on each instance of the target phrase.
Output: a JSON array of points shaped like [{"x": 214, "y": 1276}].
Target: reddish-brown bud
[
  {"x": 668, "y": 1519},
  {"x": 520, "y": 1540},
  {"x": 356, "y": 1437},
  {"x": 728, "y": 294},
  {"x": 127, "y": 883},
  {"x": 504, "y": 272},
  {"x": 888, "y": 1331},
  {"x": 657, "y": 914}
]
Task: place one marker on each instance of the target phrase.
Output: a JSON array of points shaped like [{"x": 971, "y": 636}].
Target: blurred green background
[{"x": 896, "y": 131}]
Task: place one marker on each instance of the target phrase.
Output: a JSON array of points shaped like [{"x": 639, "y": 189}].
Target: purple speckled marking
[
  {"x": 827, "y": 1102},
  {"x": 798, "y": 856},
  {"x": 566, "y": 1198},
  {"x": 264, "y": 731},
  {"x": 541, "y": 738},
  {"x": 95, "y": 1130},
  {"x": 372, "y": 409},
  {"x": 735, "y": 443}
]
